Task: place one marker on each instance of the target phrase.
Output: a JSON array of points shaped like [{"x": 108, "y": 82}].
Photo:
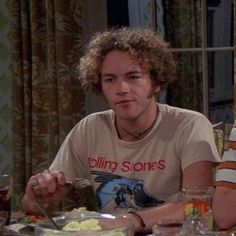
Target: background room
[{"x": 41, "y": 43}]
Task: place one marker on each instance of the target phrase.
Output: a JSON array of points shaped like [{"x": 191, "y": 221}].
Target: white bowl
[{"x": 110, "y": 226}]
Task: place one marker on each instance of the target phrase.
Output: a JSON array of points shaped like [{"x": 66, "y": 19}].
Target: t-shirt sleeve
[
  {"x": 196, "y": 142},
  {"x": 68, "y": 159},
  {"x": 226, "y": 171}
]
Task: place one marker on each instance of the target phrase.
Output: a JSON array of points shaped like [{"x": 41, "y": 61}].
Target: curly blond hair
[{"x": 145, "y": 45}]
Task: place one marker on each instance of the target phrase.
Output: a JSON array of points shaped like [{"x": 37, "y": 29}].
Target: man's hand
[{"x": 46, "y": 188}]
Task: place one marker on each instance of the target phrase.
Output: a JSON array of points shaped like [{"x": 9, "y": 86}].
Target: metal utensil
[
  {"x": 44, "y": 212},
  {"x": 79, "y": 183}
]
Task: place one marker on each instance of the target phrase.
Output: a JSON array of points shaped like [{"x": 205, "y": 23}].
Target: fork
[
  {"x": 44, "y": 212},
  {"x": 79, "y": 183}
]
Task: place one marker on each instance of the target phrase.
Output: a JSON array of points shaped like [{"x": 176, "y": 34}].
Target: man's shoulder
[
  {"x": 180, "y": 117},
  {"x": 179, "y": 112},
  {"x": 107, "y": 114},
  {"x": 97, "y": 118}
]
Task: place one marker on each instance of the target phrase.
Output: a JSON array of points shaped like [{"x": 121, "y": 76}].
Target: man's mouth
[{"x": 124, "y": 101}]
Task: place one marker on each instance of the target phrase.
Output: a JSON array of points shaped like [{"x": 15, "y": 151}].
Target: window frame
[{"x": 204, "y": 54}]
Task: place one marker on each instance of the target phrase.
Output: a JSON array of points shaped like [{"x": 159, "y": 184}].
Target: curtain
[
  {"x": 183, "y": 30},
  {"x": 47, "y": 98}
]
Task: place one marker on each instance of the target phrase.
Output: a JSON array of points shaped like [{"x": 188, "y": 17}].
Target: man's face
[{"x": 126, "y": 86}]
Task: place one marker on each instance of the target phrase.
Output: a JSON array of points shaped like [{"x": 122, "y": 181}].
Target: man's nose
[{"x": 122, "y": 86}]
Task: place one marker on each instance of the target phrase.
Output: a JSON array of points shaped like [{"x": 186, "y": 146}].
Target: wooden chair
[{"x": 221, "y": 133}]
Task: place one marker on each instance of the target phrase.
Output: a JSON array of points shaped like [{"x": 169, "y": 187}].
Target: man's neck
[{"x": 136, "y": 129}]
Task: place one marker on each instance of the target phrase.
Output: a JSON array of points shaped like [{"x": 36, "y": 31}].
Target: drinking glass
[
  {"x": 198, "y": 208},
  {"x": 5, "y": 200}
]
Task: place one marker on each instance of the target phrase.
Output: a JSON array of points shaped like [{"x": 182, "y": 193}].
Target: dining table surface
[{"x": 16, "y": 228}]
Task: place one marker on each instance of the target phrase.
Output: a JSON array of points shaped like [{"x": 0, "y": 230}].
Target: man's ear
[
  {"x": 156, "y": 88},
  {"x": 154, "y": 91}
]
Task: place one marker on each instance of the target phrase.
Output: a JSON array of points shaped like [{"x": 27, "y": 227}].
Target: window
[
  {"x": 201, "y": 36},
  {"x": 203, "y": 29}
]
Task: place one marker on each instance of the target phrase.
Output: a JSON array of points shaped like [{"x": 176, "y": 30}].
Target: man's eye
[
  {"x": 108, "y": 80},
  {"x": 134, "y": 77}
]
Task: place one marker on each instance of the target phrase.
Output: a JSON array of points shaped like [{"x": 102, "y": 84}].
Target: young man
[
  {"x": 140, "y": 153},
  {"x": 224, "y": 200}
]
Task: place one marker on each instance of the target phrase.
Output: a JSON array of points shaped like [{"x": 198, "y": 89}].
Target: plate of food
[
  {"x": 31, "y": 219},
  {"x": 25, "y": 225},
  {"x": 96, "y": 225},
  {"x": 78, "y": 212}
]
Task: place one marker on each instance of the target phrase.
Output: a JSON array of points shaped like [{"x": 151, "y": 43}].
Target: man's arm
[
  {"x": 224, "y": 207},
  {"x": 169, "y": 211},
  {"x": 197, "y": 174}
]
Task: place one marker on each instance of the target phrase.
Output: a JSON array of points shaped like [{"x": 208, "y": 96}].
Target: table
[
  {"x": 29, "y": 231},
  {"x": 17, "y": 229}
]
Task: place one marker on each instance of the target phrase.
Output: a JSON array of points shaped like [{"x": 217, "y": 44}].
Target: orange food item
[
  {"x": 34, "y": 218},
  {"x": 200, "y": 205}
]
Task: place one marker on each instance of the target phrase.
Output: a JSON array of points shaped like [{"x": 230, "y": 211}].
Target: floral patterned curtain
[{"x": 47, "y": 98}]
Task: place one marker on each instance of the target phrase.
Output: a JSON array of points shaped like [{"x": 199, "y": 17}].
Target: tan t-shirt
[{"x": 141, "y": 174}]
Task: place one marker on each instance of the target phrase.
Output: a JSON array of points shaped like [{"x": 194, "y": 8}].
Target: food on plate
[
  {"x": 31, "y": 219},
  {"x": 81, "y": 222},
  {"x": 90, "y": 224},
  {"x": 77, "y": 212},
  {"x": 85, "y": 227}
]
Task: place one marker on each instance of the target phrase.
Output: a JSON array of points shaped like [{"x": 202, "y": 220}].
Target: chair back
[{"x": 221, "y": 134}]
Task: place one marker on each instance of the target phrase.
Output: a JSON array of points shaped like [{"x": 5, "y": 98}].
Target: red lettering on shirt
[
  {"x": 102, "y": 163},
  {"x": 162, "y": 164},
  {"x": 142, "y": 166}
]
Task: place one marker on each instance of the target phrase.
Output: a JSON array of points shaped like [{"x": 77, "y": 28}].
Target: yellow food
[
  {"x": 90, "y": 224},
  {"x": 77, "y": 212},
  {"x": 86, "y": 227}
]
